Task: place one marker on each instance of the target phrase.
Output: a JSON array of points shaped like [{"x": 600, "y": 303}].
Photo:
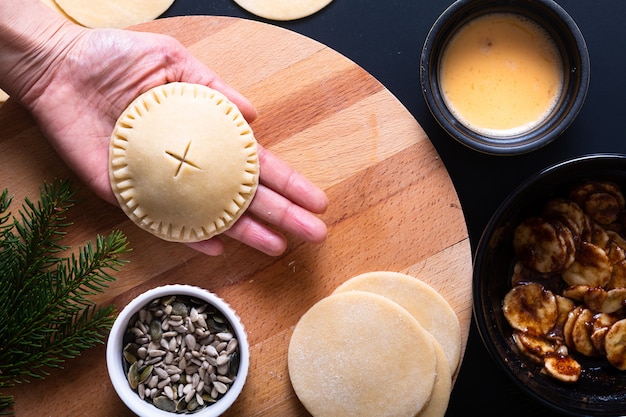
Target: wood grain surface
[{"x": 392, "y": 207}]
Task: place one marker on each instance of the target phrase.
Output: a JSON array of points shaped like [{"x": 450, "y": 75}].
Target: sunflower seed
[
  {"x": 162, "y": 384},
  {"x": 190, "y": 341},
  {"x": 168, "y": 391},
  {"x": 224, "y": 336},
  {"x": 220, "y": 387},
  {"x": 232, "y": 346},
  {"x": 191, "y": 394}
]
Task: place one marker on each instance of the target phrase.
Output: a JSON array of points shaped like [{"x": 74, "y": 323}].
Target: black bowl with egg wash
[
  {"x": 504, "y": 76},
  {"x": 599, "y": 388}
]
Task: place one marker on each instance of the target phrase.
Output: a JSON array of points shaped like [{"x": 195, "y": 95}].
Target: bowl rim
[
  {"x": 482, "y": 308},
  {"x": 454, "y": 17},
  {"x": 115, "y": 342}
]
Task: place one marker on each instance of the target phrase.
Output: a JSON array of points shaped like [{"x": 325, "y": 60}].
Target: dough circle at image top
[
  {"x": 112, "y": 13},
  {"x": 283, "y": 9},
  {"x": 360, "y": 354},
  {"x": 430, "y": 309},
  {"x": 54, "y": 6},
  {"x": 183, "y": 162},
  {"x": 3, "y": 97}
]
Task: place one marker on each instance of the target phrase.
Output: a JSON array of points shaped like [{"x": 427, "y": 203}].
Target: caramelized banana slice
[
  {"x": 591, "y": 267},
  {"x": 603, "y": 301},
  {"x": 598, "y": 235},
  {"x": 568, "y": 327},
  {"x": 602, "y": 201},
  {"x": 581, "y": 333},
  {"x": 581, "y": 193},
  {"x": 616, "y": 238},
  {"x": 523, "y": 275},
  {"x": 597, "y": 339},
  {"x": 618, "y": 276},
  {"x": 562, "y": 367},
  {"x": 568, "y": 212},
  {"x": 603, "y": 207},
  {"x": 544, "y": 246},
  {"x": 563, "y": 305},
  {"x": 576, "y": 292},
  {"x": 530, "y": 308},
  {"x": 602, "y": 322},
  {"x": 615, "y": 252},
  {"x": 615, "y": 345},
  {"x": 534, "y": 347},
  {"x": 588, "y": 230}
]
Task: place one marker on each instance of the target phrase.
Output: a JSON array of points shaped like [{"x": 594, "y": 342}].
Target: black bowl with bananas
[{"x": 550, "y": 286}]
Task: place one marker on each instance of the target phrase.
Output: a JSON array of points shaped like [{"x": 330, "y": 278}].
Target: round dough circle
[
  {"x": 430, "y": 309},
  {"x": 283, "y": 9},
  {"x": 54, "y": 6},
  {"x": 440, "y": 397},
  {"x": 113, "y": 13},
  {"x": 183, "y": 162},
  {"x": 360, "y": 354}
]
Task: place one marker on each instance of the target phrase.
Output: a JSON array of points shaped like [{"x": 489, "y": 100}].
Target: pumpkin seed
[
  {"x": 155, "y": 330},
  {"x": 163, "y": 403}
]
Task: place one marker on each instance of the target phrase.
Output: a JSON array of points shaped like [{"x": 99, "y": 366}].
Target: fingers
[
  {"x": 211, "y": 247},
  {"x": 272, "y": 208},
  {"x": 258, "y": 236},
  {"x": 285, "y": 200},
  {"x": 275, "y": 209},
  {"x": 195, "y": 71},
  {"x": 283, "y": 179},
  {"x": 243, "y": 104}
]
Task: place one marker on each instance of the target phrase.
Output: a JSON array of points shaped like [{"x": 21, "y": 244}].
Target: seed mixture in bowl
[
  {"x": 568, "y": 293},
  {"x": 180, "y": 354}
]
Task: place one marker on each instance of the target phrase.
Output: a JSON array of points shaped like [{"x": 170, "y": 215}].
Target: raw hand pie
[
  {"x": 283, "y": 9},
  {"x": 183, "y": 162}
]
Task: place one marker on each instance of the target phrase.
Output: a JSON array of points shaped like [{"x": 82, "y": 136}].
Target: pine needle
[{"x": 45, "y": 290}]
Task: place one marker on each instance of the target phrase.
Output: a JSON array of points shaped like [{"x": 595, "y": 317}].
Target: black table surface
[{"x": 386, "y": 38}]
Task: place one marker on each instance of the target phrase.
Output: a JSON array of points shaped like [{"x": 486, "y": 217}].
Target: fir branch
[
  {"x": 45, "y": 289},
  {"x": 41, "y": 227},
  {"x": 5, "y": 202}
]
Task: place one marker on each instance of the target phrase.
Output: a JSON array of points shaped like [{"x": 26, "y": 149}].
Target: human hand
[{"x": 94, "y": 74}]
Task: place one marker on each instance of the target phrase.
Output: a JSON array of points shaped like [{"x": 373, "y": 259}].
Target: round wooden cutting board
[{"x": 392, "y": 207}]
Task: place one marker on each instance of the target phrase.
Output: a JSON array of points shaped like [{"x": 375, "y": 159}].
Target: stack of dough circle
[
  {"x": 183, "y": 162},
  {"x": 358, "y": 351},
  {"x": 360, "y": 354}
]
